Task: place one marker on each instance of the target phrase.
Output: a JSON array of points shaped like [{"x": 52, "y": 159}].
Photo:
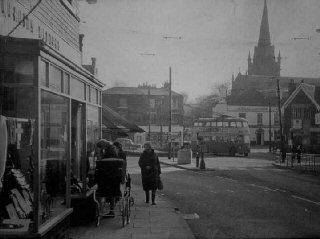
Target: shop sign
[
  {"x": 297, "y": 123},
  {"x": 317, "y": 118}
]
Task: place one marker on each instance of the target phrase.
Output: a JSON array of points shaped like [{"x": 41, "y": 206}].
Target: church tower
[{"x": 264, "y": 61}]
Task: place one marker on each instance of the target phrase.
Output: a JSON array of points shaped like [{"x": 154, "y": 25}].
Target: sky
[{"x": 209, "y": 40}]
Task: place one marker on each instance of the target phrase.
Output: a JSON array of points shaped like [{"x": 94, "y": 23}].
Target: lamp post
[
  {"x": 283, "y": 153},
  {"x": 149, "y": 111},
  {"x": 161, "y": 130},
  {"x": 269, "y": 127},
  {"x": 170, "y": 115}
]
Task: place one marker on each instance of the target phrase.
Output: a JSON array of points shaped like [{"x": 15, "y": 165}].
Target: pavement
[
  {"x": 258, "y": 160},
  {"x": 220, "y": 163},
  {"x": 161, "y": 221}
]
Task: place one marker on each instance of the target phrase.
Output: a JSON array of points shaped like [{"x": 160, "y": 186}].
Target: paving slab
[{"x": 147, "y": 221}]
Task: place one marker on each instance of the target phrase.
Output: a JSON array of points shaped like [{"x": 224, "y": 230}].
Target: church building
[{"x": 254, "y": 94}]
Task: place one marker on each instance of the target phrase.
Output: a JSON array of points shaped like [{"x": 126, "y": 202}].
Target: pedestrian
[
  {"x": 108, "y": 178},
  {"x": 299, "y": 151},
  {"x": 121, "y": 155},
  {"x": 150, "y": 172}
]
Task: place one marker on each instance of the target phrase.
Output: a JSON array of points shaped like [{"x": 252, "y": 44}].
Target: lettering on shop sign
[{"x": 16, "y": 14}]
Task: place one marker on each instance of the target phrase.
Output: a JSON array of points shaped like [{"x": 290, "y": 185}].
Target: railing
[{"x": 308, "y": 162}]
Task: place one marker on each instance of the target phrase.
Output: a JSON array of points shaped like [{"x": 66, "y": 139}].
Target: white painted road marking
[{"x": 304, "y": 199}]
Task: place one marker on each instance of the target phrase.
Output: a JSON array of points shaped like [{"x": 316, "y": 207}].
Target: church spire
[{"x": 264, "y": 37}]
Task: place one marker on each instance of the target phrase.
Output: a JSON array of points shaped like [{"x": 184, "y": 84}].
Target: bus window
[
  {"x": 213, "y": 123},
  {"x": 208, "y": 124},
  {"x": 200, "y": 124},
  {"x": 219, "y": 124},
  {"x": 196, "y": 124},
  {"x": 245, "y": 124},
  {"x": 247, "y": 139},
  {"x": 239, "y": 125},
  {"x": 233, "y": 124},
  {"x": 225, "y": 124}
]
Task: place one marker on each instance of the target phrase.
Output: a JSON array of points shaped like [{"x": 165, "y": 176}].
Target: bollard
[
  {"x": 202, "y": 163},
  {"x": 197, "y": 160}
]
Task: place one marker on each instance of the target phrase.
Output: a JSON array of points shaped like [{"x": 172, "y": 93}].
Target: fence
[{"x": 308, "y": 162}]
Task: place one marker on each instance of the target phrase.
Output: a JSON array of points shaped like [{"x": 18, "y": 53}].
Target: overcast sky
[{"x": 216, "y": 37}]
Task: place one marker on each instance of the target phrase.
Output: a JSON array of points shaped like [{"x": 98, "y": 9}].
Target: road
[{"x": 258, "y": 202}]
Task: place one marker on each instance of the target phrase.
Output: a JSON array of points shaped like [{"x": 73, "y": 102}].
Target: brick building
[{"x": 145, "y": 105}]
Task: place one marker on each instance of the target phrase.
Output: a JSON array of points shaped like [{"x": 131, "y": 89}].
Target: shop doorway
[
  {"x": 77, "y": 137},
  {"x": 259, "y": 137}
]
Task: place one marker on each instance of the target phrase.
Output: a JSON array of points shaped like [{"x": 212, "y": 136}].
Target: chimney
[{"x": 93, "y": 63}]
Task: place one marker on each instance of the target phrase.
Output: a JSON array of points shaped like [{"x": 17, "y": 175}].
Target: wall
[{"x": 55, "y": 22}]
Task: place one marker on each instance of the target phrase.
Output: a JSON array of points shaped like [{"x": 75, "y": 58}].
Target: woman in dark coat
[{"x": 150, "y": 171}]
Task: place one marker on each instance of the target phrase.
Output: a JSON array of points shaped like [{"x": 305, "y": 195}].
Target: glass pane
[
  {"x": 55, "y": 75},
  {"x": 93, "y": 131},
  {"x": 43, "y": 73},
  {"x": 88, "y": 93},
  {"x": 54, "y": 153},
  {"x": 17, "y": 105},
  {"x": 77, "y": 88},
  {"x": 21, "y": 68},
  {"x": 93, "y": 96},
  {"x": 66, "y": 83}
]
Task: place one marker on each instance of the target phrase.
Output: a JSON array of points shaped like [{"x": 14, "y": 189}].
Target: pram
[{"x": 114, "y": 190}]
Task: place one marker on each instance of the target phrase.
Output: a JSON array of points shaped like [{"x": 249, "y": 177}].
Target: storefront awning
[{"x": 115, "y": 122}]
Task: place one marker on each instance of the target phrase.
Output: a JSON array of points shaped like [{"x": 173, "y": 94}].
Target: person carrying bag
[{"x": 150, "y": 172}]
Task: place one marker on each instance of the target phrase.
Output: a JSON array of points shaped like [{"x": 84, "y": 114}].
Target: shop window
[
  {"x": 77, "y": 88},
  {"x": 16, "y": 82},
  {"x": 44, "y": 73},
  {"x": 54, "y": 153},
  {"x": 93, "y": 95},
  {"x": 66, "y": 83},
  {"x": 88, "y": 97},
  {"x": 55, "y": 78}
]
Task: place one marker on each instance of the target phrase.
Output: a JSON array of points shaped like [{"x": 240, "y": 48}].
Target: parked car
[{"x": 127, "y": 144}]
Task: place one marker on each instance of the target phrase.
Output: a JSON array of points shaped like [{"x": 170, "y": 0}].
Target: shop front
[{"x": 50, "y": 120}]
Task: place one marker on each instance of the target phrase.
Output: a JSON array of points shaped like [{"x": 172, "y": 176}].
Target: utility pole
[
  {"x": 283, "y": 154},
  {"x": 269, "y": 127},
  {"x": 161, "y": 130},
  {"x": 149, "y": 110},
  {"x": 170, "y": 114}
]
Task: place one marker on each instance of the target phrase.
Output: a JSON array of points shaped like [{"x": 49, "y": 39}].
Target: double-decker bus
[{"x": 222, "y": 134}]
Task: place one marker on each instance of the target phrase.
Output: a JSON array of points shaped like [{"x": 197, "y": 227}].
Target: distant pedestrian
[
  {"x": 299, "y": 151},
  {"x": 150, "y": 172}
]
